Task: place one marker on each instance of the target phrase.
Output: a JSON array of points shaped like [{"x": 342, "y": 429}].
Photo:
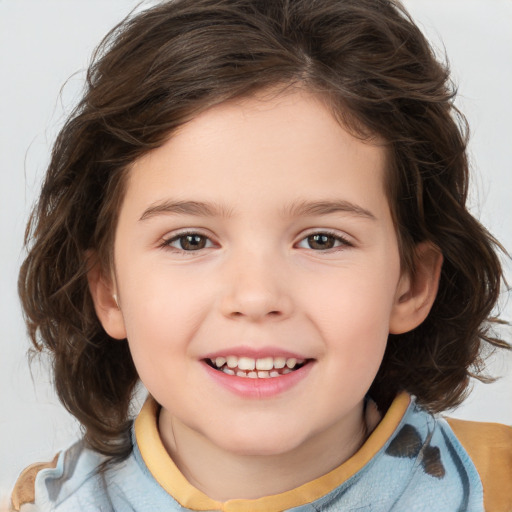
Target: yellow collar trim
[{"x": 167, "y": 474}]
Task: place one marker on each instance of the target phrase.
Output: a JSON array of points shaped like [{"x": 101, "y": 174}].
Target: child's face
[{"x": 291, "y": 253}]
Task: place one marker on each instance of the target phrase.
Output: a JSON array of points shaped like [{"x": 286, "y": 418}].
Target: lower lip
[{"x": 258, "y": 388}]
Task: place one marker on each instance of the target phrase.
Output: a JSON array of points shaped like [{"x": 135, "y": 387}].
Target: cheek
[
  {"x": 158, "y": 296},
  {"x": 352, "y": 309},
  {"x": 159, "y": 328},
  {"x": 161, "y": 317},
  {"x": 353, "y": 296}
]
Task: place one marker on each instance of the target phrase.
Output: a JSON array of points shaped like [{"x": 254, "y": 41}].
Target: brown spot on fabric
[
  {"x": 407, "y": 443},
  {"x": 432, "y": 463}
]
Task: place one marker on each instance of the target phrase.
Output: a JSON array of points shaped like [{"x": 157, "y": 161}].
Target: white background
[{"x": 45, "y": 42}]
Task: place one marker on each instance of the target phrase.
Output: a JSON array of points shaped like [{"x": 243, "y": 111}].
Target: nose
[{"x": 255, "y": 288}]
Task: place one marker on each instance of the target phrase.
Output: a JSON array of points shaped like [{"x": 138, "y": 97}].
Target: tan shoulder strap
[
  {"x": 24, "y": 489},
  {"x": 490, "y": 447}
]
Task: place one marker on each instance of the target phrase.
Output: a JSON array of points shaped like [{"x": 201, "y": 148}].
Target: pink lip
[
  {"x": 254, "y": 353},
  {"x": 258, "y": 388}
]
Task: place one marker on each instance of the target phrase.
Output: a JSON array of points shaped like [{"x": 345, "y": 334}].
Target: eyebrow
[
  {"x": 195, "y": 208},
  {"x": 305, "y": 208},
  {"x": 295, "y": 209}
]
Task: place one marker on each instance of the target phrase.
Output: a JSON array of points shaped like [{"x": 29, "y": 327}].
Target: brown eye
[
  {"x": 188, "y": 242},
  {"x": 192, "y": 242},
  {"x": 321, "y": 241}
]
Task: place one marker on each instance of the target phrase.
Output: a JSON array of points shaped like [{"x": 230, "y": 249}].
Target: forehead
[{"x": 270, "y": 148}]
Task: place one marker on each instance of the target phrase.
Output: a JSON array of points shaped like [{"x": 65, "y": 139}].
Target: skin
[{"x": 259, "y": 284}]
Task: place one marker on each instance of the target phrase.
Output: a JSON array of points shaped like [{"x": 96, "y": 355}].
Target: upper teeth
[{"x": 248, "y": 363}]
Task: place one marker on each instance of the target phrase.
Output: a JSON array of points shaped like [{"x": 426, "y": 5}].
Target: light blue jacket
[{"x": 421, "y": 467}]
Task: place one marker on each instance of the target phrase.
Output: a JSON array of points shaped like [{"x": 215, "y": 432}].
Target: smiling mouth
[{"x": 262, "y": 368}]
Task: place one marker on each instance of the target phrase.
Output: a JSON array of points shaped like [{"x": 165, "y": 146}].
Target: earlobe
[
  {"x": 106, "y": 302},
  {"x": 416, "y": 293}
]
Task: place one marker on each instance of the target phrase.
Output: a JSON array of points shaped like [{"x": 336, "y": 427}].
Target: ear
[
  {"x": 416, "y": 293},
  {"x": 103, "y": 293}
]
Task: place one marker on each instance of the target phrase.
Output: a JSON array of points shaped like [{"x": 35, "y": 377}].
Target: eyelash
[
  {"x": 166, "y": 243},
  {"x": 343, "y": 242}
]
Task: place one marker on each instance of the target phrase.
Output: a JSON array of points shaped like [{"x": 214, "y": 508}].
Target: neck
[{"x": 223, "y": 475}]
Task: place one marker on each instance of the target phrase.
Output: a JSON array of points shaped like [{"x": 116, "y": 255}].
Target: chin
[{"x": 267, "y": 444}]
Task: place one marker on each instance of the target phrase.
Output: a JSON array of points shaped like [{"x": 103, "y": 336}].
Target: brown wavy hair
[{"x": 158, "y": 69}]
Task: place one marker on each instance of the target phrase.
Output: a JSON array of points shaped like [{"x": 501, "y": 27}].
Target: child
[{"x": 258, "y": 210}]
